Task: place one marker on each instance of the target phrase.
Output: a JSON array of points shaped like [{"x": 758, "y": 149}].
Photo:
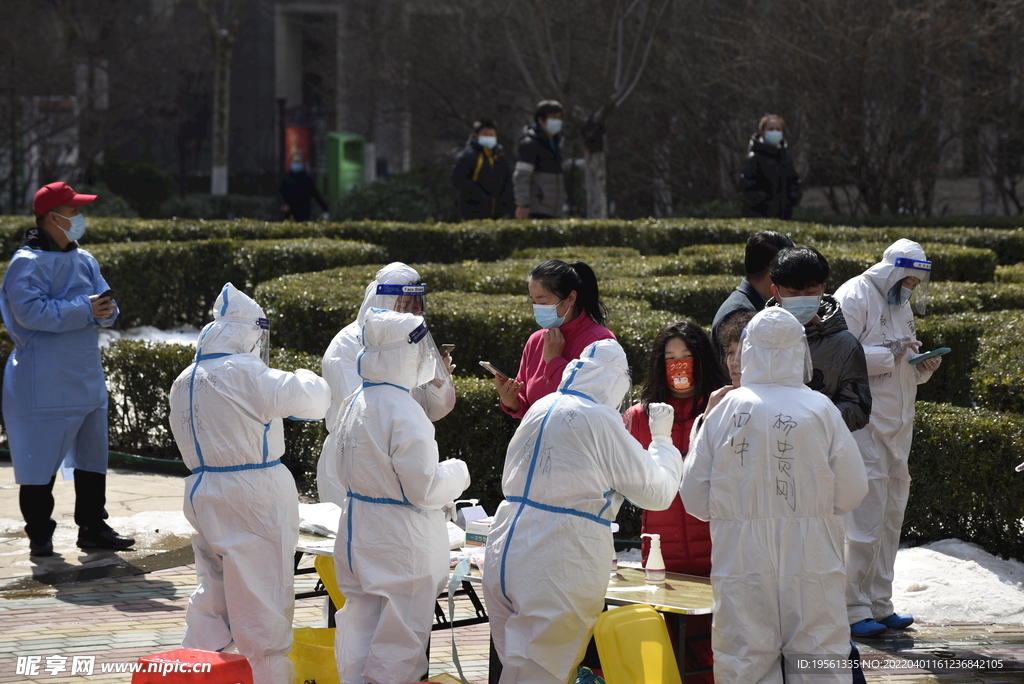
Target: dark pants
[{"x": 90, "y": 505}]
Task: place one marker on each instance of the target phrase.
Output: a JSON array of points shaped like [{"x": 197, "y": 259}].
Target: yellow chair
[
  {"x": 312, "y": 651},
  {"x": 312, "y": 655},
  {"x": 634, "y": 647},
  {"x": 325, "y": 568}
]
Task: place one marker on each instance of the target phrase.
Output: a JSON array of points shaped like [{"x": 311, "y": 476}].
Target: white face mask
[
  {"x": 488, "y": 141},
  {"x": 804, "y": 308},
  {"x": 773, "y": 138}
]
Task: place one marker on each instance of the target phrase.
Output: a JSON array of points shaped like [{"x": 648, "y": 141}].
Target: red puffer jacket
[{"x": 685, "y": 541}]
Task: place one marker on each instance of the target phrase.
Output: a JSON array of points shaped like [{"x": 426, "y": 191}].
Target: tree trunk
[
  {"x": 594, "y": 172},
  {"x": 662, "y": 188},
  {"x": 221, "y": 114}
]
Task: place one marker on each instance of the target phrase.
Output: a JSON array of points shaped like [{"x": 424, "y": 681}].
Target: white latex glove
[
  {"x": 449, "y": 511},
  {"x": 660, "y": 417},
  {"x": 1020, "y": 468}
]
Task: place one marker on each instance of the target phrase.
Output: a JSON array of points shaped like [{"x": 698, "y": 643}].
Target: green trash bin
[{"x": 346, "y": 162}]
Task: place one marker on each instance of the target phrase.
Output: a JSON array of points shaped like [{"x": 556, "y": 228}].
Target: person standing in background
[
  {"x": 483, "y": 175},
  {"x": 539, "y": 180},
  {"x": 297, "y": 191},
  {"x": 769, "y": 184}
]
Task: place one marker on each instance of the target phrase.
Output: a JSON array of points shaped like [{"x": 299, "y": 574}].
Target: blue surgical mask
[
  {"x": 77, "y": 229},
  {"x": 553, "y": 126},
  {"x": 488, "y": 141},
  {"x": 773, "y": 138},
  {"x": 804, "y": 308},
  {"x": 901, "y": 298},
  {"x": 297, "y": 166},
  {"x": 547, "y": 316}
]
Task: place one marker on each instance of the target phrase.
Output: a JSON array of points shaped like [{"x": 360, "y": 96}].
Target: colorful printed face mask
[{"x": 679, "y": 374}]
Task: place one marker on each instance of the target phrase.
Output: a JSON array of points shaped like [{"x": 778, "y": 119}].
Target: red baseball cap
[{"x": 51, "y": 196}]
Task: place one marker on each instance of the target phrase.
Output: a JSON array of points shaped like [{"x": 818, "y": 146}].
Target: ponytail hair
[{"x": 562, "y": 279}]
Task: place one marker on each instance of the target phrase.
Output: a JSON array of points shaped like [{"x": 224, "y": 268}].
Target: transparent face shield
[
  {"x": 431, "y": 367},
  {"x": 263, "y": 343},
  {"x": 410, "y": 298},
  {"x": 908, "y": 272}
]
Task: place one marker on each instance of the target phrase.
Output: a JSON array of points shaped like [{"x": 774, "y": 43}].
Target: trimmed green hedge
[
  {"x": 166, "y": 284},
  {"x": 964, "y": 485},
  {"x": 953, "y": 381},
  {"x": 495, "y": 240}
]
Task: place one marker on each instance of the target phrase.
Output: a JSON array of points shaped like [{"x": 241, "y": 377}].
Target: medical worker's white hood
[
  {"x": 236, "y": 326},
  {"x": 774, "y": 350},
  {"x": 601, "y": 373},
  {"x": 395, "y": 273},
  {"x": 397, "y": 349}
]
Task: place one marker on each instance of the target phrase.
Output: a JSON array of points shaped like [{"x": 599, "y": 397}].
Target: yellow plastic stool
[
  {"x": 634, "y": 647},
  {"x": 325, "y": 568},
  {"x": 312, "y": 655}
]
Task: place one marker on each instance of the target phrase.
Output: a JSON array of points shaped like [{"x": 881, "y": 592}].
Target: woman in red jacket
[
  {"x": 568, "y": 308},
  {"x": 682, "y": 371}
]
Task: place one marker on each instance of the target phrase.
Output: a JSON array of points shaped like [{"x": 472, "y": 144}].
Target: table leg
[{"x": 677, "y": 622}]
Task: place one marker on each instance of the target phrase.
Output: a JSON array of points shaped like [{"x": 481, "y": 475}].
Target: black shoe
[
  {"x": 42, "y": 547},
  {"x": 103, "y": 539}
]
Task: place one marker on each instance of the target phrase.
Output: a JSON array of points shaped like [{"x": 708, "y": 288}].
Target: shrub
[
  {"x": 204, "y": 206},
  {"x": 998, "y": 376},
  {"x": 951, "y": 297},
  {"x": 144, "y": 186},
  {"x": 169, "y": 283},
  {"x": 693, "y": 297},
  {"x": 139, "y": 378},
  {"x": 953, "y": 381},
  {"x": 962, "y": 465}
]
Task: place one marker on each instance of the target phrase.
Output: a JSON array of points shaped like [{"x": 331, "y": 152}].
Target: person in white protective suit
[
  {"x": 226, "y": 411},
  {"x": 878, "y": 313},
  {"x": 391, "y": 554},
  {"x": 568, "y": 468},
  {"x": 396, "y": 287},
  {"x": 773, "y": 468}
]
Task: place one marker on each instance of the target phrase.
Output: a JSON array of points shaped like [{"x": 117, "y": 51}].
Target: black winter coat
[
  {"x": 840, "y": 369},
  {"x": 484, "y": 180},
  {"x": 769, "y": 183},
  {"x": 297, "y": 190}
]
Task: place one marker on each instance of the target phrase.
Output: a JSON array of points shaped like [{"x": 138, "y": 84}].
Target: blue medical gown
[{"x": 54, "y": 393}]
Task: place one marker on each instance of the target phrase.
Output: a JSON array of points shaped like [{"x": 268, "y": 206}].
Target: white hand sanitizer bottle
[{"x": 654, "y": 569}]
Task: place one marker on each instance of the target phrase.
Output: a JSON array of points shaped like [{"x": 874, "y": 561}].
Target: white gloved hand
[
  {"x": 660, "y": 417},
  {"x": 449, "y": 511}
]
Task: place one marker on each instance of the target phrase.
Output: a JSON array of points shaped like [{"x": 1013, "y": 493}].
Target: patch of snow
[
  {"x": 185, "y": 334},
  {"x": 955, "y": 581}
]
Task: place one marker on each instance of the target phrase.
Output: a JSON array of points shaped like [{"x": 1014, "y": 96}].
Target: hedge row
[
  {"x": 165, "y": 284},
  {"x": 496, "y": 240},
  {"x": 962, "y": 464}
]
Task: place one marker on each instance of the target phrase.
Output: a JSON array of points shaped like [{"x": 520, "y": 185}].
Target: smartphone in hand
[
  {"x": 110, "y": 294},
  {"x": 447, "y": 349},
  {"x": 918, "y": 360},
  {"x": 494, "y": 370}
]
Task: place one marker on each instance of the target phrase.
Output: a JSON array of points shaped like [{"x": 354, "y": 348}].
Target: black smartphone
[{"x": 111, "y": 293}]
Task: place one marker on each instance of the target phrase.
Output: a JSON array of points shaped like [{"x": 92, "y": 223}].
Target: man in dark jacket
[
  {"x": 756, "y": 287},
  {"x": 840, "y": 368},
  {"x": 769, "y": 183},
  {"x": 297, "y": 190},
  {"x": 483, "y": 175},
  {"x": 539, "y": 182}
]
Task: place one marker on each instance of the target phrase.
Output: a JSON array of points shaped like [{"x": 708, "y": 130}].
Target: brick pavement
[{"x": 122, "y": 618}]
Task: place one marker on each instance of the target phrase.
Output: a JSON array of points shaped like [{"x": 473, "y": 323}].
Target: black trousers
[{"x": 90, "y": 504}]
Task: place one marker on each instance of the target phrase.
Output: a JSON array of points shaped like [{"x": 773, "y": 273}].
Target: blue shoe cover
[
  {"x": 896, "y": 621},
  {"x": 866, "y": 628}
]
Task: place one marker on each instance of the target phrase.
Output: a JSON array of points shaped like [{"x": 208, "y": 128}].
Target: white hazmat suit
[
  {"x": 873, "y": 529},
  {"x": 391, "y": 552},
  {"x": 339, "y": 369},
  {"x": 773, "y": 468},
  {"x": 226, "y": 411},
  {"x": 568, "y": 468}
]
